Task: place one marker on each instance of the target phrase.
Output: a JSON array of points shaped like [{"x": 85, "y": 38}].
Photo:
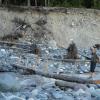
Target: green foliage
[
  {"x": 76, "y": 3},
  {"x": 97, "y": 4},
  {"x": 57, "y": 3}
]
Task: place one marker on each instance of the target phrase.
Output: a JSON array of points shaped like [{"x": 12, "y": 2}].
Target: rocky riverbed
[{"x": 14, "y": 86}]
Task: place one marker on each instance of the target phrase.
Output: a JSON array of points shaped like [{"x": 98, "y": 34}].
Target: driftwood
[
  {"x": 71, "y": 85},
  {"x": 65, "y": 84},
  {"x": 12, "y": 43},
  {"x": 70, "y": 60},
  {"x": 31, "y": 48},
  {"x": 4, "y": 71},
  {"x": 63, "y": 77}
]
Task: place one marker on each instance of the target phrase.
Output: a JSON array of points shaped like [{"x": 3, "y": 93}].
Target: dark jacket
[{"x": 94, "y": 58}]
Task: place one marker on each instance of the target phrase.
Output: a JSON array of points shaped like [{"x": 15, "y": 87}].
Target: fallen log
[
  {"x": 63, "y": 77},
  {"x": 71, "y": 85},
  {"x": 4, "y": 71},
  {"x": 69, "y": 60},
  {"x": 65, "y": 84},
  {"x": 13, "y": 43}
]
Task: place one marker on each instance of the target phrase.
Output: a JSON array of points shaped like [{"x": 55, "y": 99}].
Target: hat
[{"x": 94, "y": 46}]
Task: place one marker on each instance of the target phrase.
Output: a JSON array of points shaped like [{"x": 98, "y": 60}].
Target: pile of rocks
[{"x": 34, "y": 87}]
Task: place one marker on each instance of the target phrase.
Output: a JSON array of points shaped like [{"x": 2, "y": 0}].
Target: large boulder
[{"x": 8, "y": 82}]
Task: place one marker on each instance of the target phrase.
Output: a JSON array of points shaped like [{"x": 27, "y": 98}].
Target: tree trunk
[
  {"x": 35, "y": 2},
  {"x": 48, "y": 2},
  {"x": 29, "y": 3},
  {"x": 63, "y": 77},
  {"x": 0, "y": 2},
  {"x": 6, "y": 2},
  {"x": 45, "y": 3}
]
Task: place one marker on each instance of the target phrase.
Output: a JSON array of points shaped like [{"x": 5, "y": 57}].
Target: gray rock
[
  {"x": 11, "y": 97},
  {"x": 79, "y": 92},
  {"x": 8, "y": 82},
  {"x": 57, "y": 95},
  {"x": 95, "y": 92},
  {"x": 39, "y": 94},
  {"x": 97, "y": 98},
  {"x": 35, "y": 92},
  {"x": 2, "y": 97},
  {"x": 42, "y": 96},
  {"x": 82, "y": 95},
  {"x": 28, "y": 82},
  {"x": 31, "y": 99},
  {"x": 66, "y": 97},
  {"x": 80, "y": 86}
]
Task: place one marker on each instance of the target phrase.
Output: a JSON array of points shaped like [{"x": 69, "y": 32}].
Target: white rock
[
  {"x": 8, "y": 82},
  {"x": 81, "y": 72},
  {"x": 82, "y": 95},
  {"x": 79, "y": 92},
  {"x": 66, "y": 97},
  {"x": 35, "y": 92},
  {"x": 47, "y": 52},
  {"x": 57, "y": 95},
  {"x": 27, "y": 82},
  {"x": 30, "y": 99},
  {"x": 3, "y": 51},
  {"x": 80, "y": 86},
  {"x": 95, "y": 92},
  {"x": 53, "y": 44},
  {"x": 14, "y": 57},
  {"x": 12, "y": 97}
]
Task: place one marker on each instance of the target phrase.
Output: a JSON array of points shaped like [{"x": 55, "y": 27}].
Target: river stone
[{"x": 8, "y": 82}]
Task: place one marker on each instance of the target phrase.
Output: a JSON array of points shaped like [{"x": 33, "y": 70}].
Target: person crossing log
[{"x": 94, "y": 60}]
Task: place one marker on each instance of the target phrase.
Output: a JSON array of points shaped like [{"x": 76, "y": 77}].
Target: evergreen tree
[{"x": 55, "y": 3}]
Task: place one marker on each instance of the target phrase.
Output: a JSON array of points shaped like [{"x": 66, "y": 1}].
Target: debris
[
  {"x": 41, "y": 22},
  {"x": 33, "y": 86},
  {"x": 72, "y": 51}
]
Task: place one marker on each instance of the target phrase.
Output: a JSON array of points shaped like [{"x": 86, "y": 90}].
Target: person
[
  {"x": 97, "y": 46},
  {"x": 72, "y": 50},
  {"x": 94, "y": 60}
]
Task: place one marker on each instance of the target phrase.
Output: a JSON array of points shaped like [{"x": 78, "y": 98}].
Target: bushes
[{"x": 57, "y": 3}]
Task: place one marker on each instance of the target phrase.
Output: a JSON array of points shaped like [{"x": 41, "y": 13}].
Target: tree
[
  {"x": 29, "y": 3},
  {"x": 0, "y": 2},
  {"x": 35, "y": 2},
  {"x": 88, "y": 3},
  {"x": 55, "y": 3},
  {"x": 48, "y": 2},
  {"x": 45, "y": 2}
]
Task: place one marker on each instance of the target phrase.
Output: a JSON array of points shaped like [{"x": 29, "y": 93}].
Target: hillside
[{"x": 60, "y": 24}]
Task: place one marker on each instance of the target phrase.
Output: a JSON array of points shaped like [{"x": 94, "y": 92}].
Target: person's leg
[{"x": 92, "y": 69}]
